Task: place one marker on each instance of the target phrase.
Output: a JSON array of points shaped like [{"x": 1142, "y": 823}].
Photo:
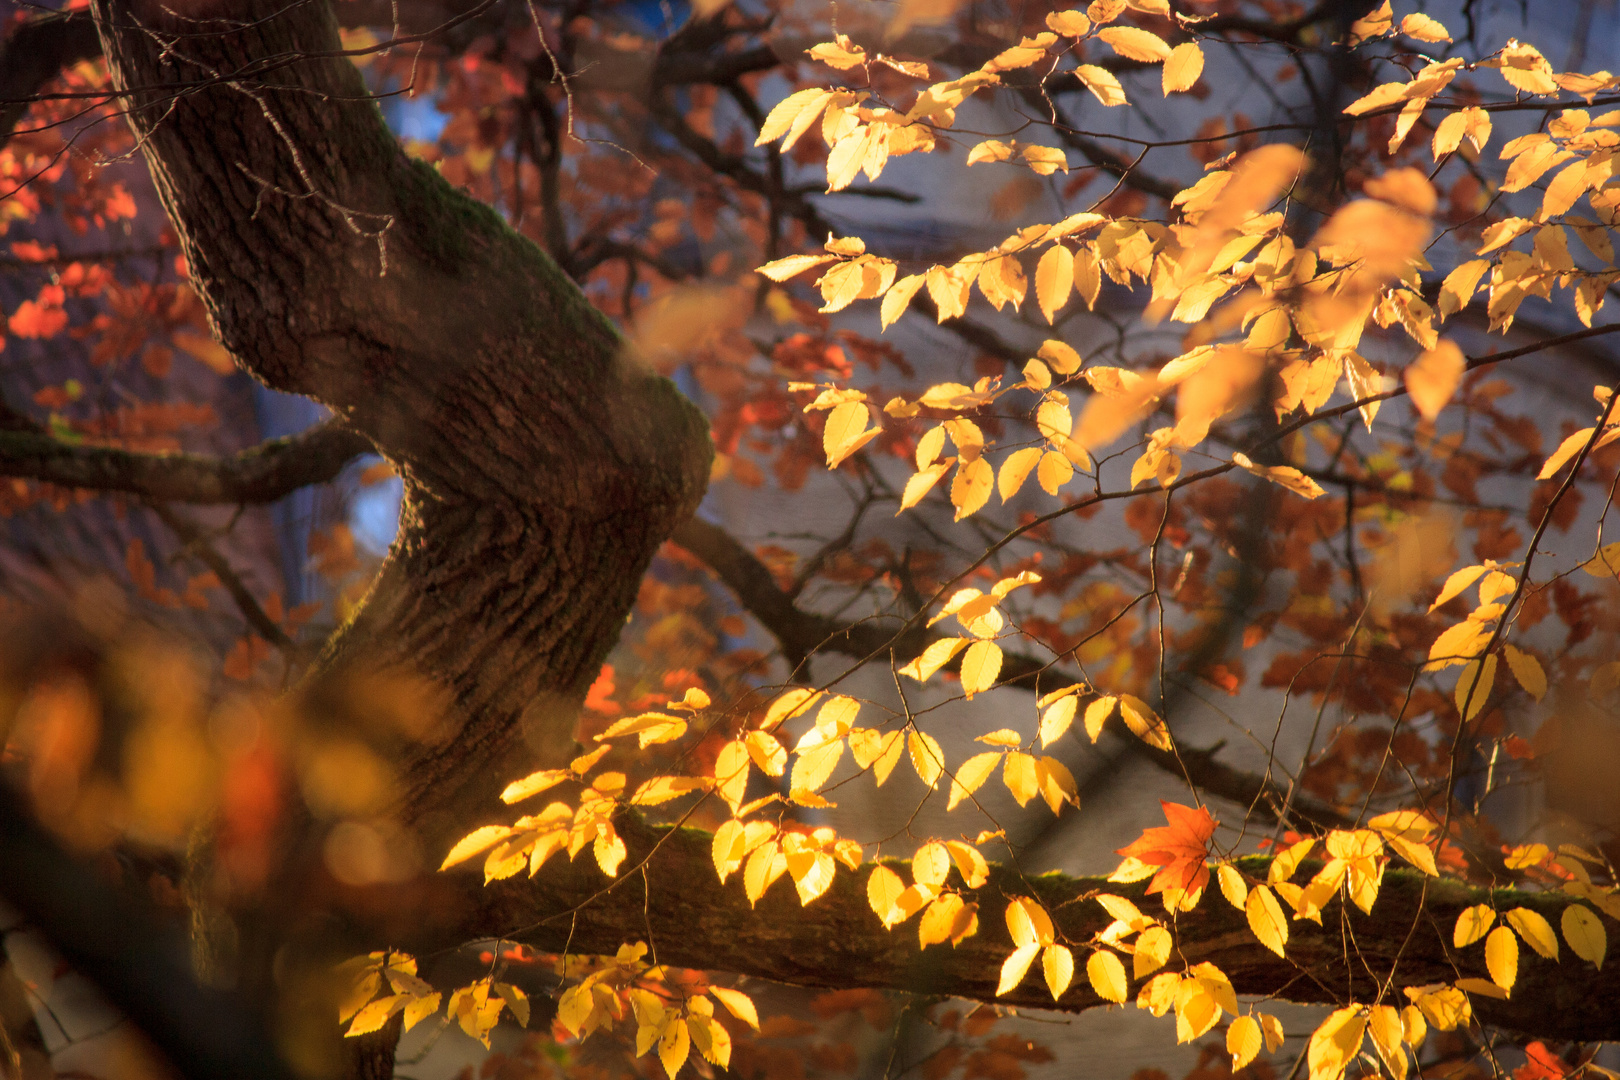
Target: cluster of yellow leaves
[
  {"x": 1356, "y": 861},
  {"x": 477, "y": 1007},
  {"x": 1337, "y": 1041},
  {"x": 1461, "y": 645},
  {"x": 625, "y": 985},
  {"x": 978, "y": 614},
  {"x": 862, "y": 138},
  {"x": 1582, "y": 927},
  {"x": 364, "y": 977},
  {"x": 534, "y": 838},
  {"x": 946, "y": 915},
  {"x": 1063, "y": 705},
  {"x": 1579, "y": 440}
]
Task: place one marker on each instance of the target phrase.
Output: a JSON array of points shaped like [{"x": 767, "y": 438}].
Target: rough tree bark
[{"x": 543, "y": 467}]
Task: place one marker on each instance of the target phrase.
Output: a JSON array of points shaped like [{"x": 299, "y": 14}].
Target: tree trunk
[{"x": 543, "y": 465}]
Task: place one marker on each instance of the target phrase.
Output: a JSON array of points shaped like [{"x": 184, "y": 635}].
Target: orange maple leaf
[{"x": 1179, "y": 848}]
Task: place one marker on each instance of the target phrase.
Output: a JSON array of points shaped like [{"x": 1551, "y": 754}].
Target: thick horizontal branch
[
  {"x": 262, "y": 474},
  {"x": 802, "y": 633},
  {"x": 691, "y": 920}
]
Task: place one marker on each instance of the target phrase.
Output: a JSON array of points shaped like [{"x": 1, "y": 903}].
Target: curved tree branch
[{"x": 262, "y": 474}]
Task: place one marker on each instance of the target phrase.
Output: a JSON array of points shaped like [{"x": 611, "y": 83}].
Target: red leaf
[{"x": 1180, "y": 847}]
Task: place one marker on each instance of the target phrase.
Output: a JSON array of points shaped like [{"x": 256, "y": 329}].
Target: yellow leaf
[
  {"x": 609, "y": 850},
  {"x": 1068, "y": 23},
  {"x": 1335, "y": 1043},
  {"x": 1285, "y": 475},
  {"x": 971, "y": 775},
  {"x": 1016, "y": 469},
  {"x": 1266, "y": 918},
  {"x": 1106, "y": 88},
  {"x": 1445, "y": 1007},
  {"x": 935, "y": 656},
  {"x": 922, "y": 483},
  {"x": 1566, "y": 450},
  {"x": 1527, "y": 671},
  {"x": 1233, "y": 887},
  {"x": 846, "y": 431},
  {"x": 1019, "y": 774},
  {"x": 815, "y": 766},
  {"x": 782, "y": 269},
  {"x": 1107, "y": 976},
  {"x": 1182, "y": 67},
  {"x": 1016, "y": 966},
  {"x": 1196, "y": 1010},
  {"x": 1056, "y": 783},
  {"x": 883, "y": 889},
  {"x": 1057, "y": 964},
  {"x": 474, "y": 842},
  {"x": 795, "y": 702},
  {"x": 649, "y": 729},
  {"x": 940, "y": 922},
  {"x": 1471, "y": 925},
  {"x": 1385, "y": 1028},
  {"x": 1432, "y": 378},
  {"x": 1585, "y": 933},
  {"x": 1474, "y": 686},
  {"x": 1144, "y": 723},
  {"x": 1243, "y": 1040},
  {"x": 812, "y": 873},
  {"x": 970, "y": 490},
  {"x": 1135, "y": 44},
  {"x": 1502, "y": 957},
  {"x": 730, "y": 774},
  {"x": 1028, "y": 923},
  {"x": 1536, "y": 931},
  {"x": 980, "y": 666},
  {"x": 1097, "y": 713},
  {"x": 1456, "y": 583},
  {"x": 1424, "y": 28},
  {"x": 534, "y": 784},
  {"x": 1054, "y": 280},
  {"x": 926, "y": 756},
  {"x": 1152, "y": 950},
  {"x": 1458, "y": 645},
  {"x": 1061, "y": 357},
  {"x": 1054, "y": 471},
  {"x": 1057, "y": 719},
  {"x": 674, "y": 1044},
  {"x": 793, "y": 116},
  {"x": 661, "y": 789},
  {"x": 1458, "y": 289},
  {"x": 898, "y": 298}
]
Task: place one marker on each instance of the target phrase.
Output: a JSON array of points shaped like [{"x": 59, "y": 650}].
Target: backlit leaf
[
  {"x": 926, "y": 756},
  {"x": 1527, "y": 671},
  {"x": 1135, "y": 44},
  {"x": 1266, "y": 918},
  {"x": 1054, "y": 280},
  {"x": 1536, "y": 931},
  {"x": 971, "y": 775},
  {"x": 1016, "y": 469},
  {"x": 1182, "y": 67},
  {"x": 1502, "y": 957},
  {"x": 1243, "y": 1041},
  {"x": 981, "y": 664},
  {"x": 1472, "y": 925},
  {"x": 1057, "y": 964},
  {"x": 1107, "y": 976},
  {"x": 1433, "y": 377},
  {"x": 1585, "y": 933}
]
